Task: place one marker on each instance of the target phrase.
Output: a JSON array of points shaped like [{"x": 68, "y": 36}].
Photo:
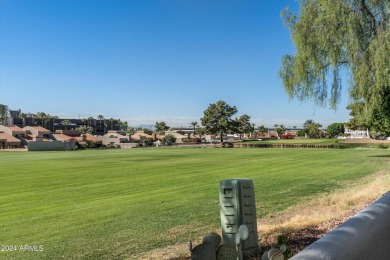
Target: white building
[{"x": 356, "y": 133}]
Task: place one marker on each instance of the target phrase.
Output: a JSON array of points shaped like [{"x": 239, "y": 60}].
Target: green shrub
[
  {"x": 383, "y": 146},
  {"x": 169, "y": 138}
]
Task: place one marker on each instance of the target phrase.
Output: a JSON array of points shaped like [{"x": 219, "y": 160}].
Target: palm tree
[
  {"x": 130, "y": 131},
  {"x": 48, "y": 119},
  {"x": 53, "y": 122},
  {"x": 42, "y": 116},
  {"x": 65, "y": 123},
  {"x": 111, "y": 121},
  {"x": 194, "y": 124},
  {"x": 23, "y": 116},
  {"x": 101, "y": 117},
  {"x": 3, "y": 113},
  {"x": 90, "y": 119}
]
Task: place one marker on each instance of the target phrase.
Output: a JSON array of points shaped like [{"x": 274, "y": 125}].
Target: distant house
[
  {"x": 179, "y": 137},
  {"x": 289, "y": 134},
  {"x": 183, "y": 130},
  {"x": 356, "y": 133},
  {"x": 114, "y": 138},
  {"x": 63, "y": 138},
  {"x": 269, "y": 135},
  {"x": 37, "y": 134},
  {"x": 11, "y": 136},
  {"x": 100, "y": 127},
  {"x": 217, "y": 138},
  {"x": 13, "y": 130},
  {"x": 88, "y": 138},
  {"x": 8, "y": 141},
  {"x": 141, "y": 136},
  {"x": 135, "y": 139}
]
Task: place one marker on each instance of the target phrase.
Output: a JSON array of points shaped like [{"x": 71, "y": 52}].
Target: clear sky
[{"x": 150, "y": 60}]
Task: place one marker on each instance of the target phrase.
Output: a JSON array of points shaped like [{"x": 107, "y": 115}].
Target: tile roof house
[
  {"x": 135, "y": 138},
  {"x": 37, "y": 131},
  {"x": 37, "y": 134},
  {"x": 114, "y": 138},
  {"x": 12, "y": 130},
  {"x": 63, "y": 138},
  {"x": 88, "y": 138},
  {"x": 269, "y": 135},
  {"x": 140, "y": 136},
  {"x": 12, "y": 136},
  {"x": 8, "y": 141},
  {"x": 289, "y": 135},
  {"x": 179, "y": 137}
]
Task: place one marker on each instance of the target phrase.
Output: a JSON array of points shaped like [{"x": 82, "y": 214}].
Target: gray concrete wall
[
  {"x": 364, "y": 236},
  {"x": 128, "y": 145},
  {"x": 45, "y": 146}
]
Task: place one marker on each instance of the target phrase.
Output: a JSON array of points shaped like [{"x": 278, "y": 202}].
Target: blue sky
[{"x": 147, "y": 61}]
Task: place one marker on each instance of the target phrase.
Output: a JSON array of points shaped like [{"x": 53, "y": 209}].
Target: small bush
[
  {"x": 196, "y": 140},
  {"x": 186, "y": 140},
  {"x": 383, "y": 146},
  {"x": 169, "y": 139}
]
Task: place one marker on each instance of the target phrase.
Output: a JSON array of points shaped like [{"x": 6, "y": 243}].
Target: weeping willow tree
[{"x": 341, "y": 37}]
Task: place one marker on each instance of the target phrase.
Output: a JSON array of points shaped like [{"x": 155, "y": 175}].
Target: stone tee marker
[{"x": 238, "y": 215}]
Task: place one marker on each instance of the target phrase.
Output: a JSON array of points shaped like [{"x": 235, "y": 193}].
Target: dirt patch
[{"x": 301, "y": 238}]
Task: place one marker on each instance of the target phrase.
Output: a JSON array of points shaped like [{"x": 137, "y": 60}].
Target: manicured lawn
[{"x": 115, "y": 204}]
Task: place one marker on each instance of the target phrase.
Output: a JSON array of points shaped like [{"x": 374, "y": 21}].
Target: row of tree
[{"x": 217, "y": 119}]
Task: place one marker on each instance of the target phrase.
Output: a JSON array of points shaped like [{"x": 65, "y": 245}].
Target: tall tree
[
  {"x": 84, "y": 129},
  {"x": 217, "y": 118},
  {"x": 123, "y": 125},
  {"x": 111, "y": 122},
  {"x": 335, "y": 129},
  {"x": 243, "y": 125},
  {"x": 101, "y": 118},
  {"x": 161, "y": 127},
  {"x": 200, "y": 131},
  {"x": 262, "y": 129},
  {"x": 90, "y": 120},
  {"x": 65, "y": 123},
  {"x": 130, "y": 130},
  {"x": 23, "y": 117},
  {"x": 3, "y": 113},
  {"x": 334, "y": 38},
  {"x": 280, "y": 129},
  {"x": 311, "y": 128},
  {"x": 42, "y": 116},
  {"x": 194, "y": 125}
]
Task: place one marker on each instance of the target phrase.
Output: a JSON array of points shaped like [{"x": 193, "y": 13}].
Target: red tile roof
[
  {"x": 140, "y": 133},
  {"x": 32, "y": 138},
  {"x": 89, "y": 137},
  {"x": 9, "y": 138},
  {"x": 62, "y": 137},
  {"x": 15, "y": 129},
  {"x": 40, "y": 129}
]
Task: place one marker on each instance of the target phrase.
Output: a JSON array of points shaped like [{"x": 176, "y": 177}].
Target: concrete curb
[{"x": 364, "y": 236}]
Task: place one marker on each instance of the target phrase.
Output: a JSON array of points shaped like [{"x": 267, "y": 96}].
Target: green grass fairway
[
  {"x": 296, "y": 141},
  {"x": 115, "y": 204}
]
